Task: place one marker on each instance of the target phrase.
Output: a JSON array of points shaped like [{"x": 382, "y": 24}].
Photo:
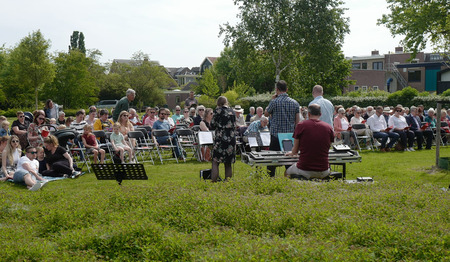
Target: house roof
[
  {"x": 129, "y": 61},
  {"x": 211, "y": 60},
  {"x": 189, "y": 86}
]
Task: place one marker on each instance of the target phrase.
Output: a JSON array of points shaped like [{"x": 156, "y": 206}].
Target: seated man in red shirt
[{"x": 313, "y": 137}]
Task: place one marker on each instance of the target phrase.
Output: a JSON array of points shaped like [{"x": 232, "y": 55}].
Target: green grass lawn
[{"x": 402, "y": 216}]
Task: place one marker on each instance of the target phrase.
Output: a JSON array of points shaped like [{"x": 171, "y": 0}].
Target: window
[
  {"x": 377, "y": 65},
  {"x": 375, "y": 88},
  {"x": 364, "y": 66},
  {"x": 436, "y": 57},
  {"x": 356, "y": 88},
  {"x": 415, "y": 61},
  {"x": 414, "y": 76},
  {"x": 177, "y": 100},
  {"x": 364, "y": 88},
  {"x": 356, "y": 66}
]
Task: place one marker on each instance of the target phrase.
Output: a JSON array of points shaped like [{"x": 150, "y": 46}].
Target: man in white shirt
[
  {"x": 378, "y": 125},
  {"x": 259, "y": 114},
  {"x": 79, "y": 123},
  {"x": 326, "y": 106},
  {"x": 27, "y": 171}
]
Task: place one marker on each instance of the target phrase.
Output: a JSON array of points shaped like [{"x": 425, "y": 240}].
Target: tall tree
[
  {"x": 81, "y": 45},
  {"x": 77, "y": 42},
  {"x": 3, "y": 63},
  {"x": 74, "y": 85},
  {"x": 30, "y": 68},
  {"x": 283, "y": 28},
  {"x": 420, "y": 22},
  {"x": 208, "y": 85}
]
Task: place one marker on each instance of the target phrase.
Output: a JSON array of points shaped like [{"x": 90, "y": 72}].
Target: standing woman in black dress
[{"x": 224, "y": 150}]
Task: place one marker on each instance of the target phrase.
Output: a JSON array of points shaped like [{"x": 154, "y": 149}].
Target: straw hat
[
  {"x": 238, "y": 108},
  {"x": 387, "y": 110}
]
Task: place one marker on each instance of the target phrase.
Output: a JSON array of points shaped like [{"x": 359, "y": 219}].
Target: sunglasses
[
  {"x": 399, "y": 111},
  {"x": 21, "y": 116},
  {"x": 125, "y": 115},
  {"x": 186, "y": 111},
  {"x": 15, "y": 141},
  {"x": 152, "y": 112},
  {"x": 177, "y": 110},
  {"x": 41, "y": 118},
  {"x": 33, "y": 153},
  {"x": 201, "y": 110}
]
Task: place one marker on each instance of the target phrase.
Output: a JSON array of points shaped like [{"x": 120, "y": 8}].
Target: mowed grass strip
[{"x": 174, "y": 216}]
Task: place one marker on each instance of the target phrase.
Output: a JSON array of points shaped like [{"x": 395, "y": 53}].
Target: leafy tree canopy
[
  {"x": 419, "y": 22},
  {"x": 285, "y": 28},
  {"x": 28, "y": 70},
  {"x": 74, "y": 85}
]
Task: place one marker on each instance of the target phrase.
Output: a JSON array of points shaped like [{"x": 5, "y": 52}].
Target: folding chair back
[
  {"x": 160, "y": 133},
  {"x": 141, "y": 146},
  {"x": 187, "y": 140},
  {"x": 362, "y": 137}
]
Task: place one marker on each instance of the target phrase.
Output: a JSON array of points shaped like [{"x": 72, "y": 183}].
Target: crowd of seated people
[{"x": 406, "y": 127}]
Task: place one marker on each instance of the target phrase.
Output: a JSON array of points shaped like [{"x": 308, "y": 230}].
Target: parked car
[{"x": 106, "y": 104}]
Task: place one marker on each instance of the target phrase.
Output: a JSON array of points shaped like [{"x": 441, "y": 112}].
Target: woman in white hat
[{"x": 239, "y": 111}]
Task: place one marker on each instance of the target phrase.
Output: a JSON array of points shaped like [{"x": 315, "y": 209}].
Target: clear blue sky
[{"x": 175, "y": 33}]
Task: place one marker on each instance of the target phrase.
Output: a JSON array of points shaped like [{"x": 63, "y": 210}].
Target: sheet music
[
  {"x": 252, "y": 141},
  {"x": 265, "y": 138},
  {"x": 205, "y": 137}
]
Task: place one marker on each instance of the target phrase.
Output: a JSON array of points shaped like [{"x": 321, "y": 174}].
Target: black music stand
[{"x": 119, "y": 172}]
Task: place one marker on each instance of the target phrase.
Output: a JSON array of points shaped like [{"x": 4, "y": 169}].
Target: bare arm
[
  {"x": 203, "y": 126},
  {"x": 294, "y": 148},
  {"x": 30, "y": 169},
  {"x": 297, "y": 118},
  {"x": 68, "y": 157},
  {"x": 4, "y": 162},
  {"x": 18, "y": 131}
]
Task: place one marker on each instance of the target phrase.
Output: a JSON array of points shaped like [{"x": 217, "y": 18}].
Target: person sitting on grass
[
  {"x": 119, "y": 145},
  {"x": 91, "y": 145},
  {"x": 27, "y": 171},
  {"x": 59, "y": 162},
  {"x": 10, "y": 157},
  {"x": 40, "y": 157},
  {"x": 4, "y": 130}
]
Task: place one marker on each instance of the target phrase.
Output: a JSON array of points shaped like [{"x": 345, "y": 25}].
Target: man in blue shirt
[
  {"x": 257, "y": 126},
  {"x": 284, "y": 112},
  {"x": 164, "y": 140},
  {"x": 326, "y": 106}
]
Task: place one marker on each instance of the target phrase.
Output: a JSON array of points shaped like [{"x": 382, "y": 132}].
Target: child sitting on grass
[
  {"x": 91, "y": 145},
  {"x": 4, "y": 130},
  {"x": 119, "y": 145}
]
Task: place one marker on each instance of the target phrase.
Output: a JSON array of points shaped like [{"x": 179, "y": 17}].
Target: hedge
[{"x": 427, "y": 101}]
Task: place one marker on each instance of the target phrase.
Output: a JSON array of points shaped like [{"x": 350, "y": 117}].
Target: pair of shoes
[
  {"x": 75, "y": 174},
  {"x": 388, "y": 149},
  {"x": 43, "y": 183},
  {"x": 35, "y": 187},
  {"x": 377, "y": 144},
  {"x": 368, "y": 148},
  {"x": 132, "y": 162},
  {"x": 411, "y": 149},
  {"x": 383, "y": 150}
]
